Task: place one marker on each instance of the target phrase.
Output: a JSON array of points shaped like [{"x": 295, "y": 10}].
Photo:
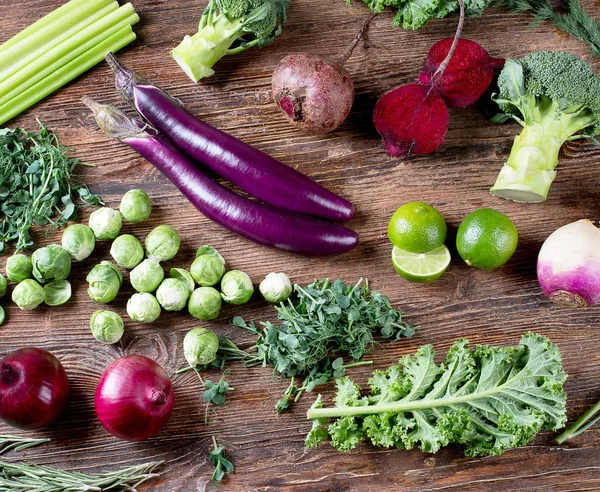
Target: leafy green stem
[{"x": 583, "y": 423}]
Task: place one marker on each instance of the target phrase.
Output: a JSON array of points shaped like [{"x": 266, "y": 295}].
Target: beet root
[
  {"x": 468, "y": 74},
  {"x": 316, "y": 94},
  {"x": 411, "y": 119}
]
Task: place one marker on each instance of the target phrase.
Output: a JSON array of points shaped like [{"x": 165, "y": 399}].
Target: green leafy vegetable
[
  {"x": 215, "y": 393},
  {"x": 221, "y": 463},
  {"x": 488, "y": 399},
  {"x": 37, "y": 185}
]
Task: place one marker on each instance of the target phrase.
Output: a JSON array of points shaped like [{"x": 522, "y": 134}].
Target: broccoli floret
[
  {"x": 555, "y": 96},
  {"x": 228, "y": 27}
]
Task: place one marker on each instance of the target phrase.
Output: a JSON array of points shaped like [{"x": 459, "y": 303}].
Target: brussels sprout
[
  {"x": 3, "y": 285},
  {"x": 106, "y": 223},
  {"x": 276, "y": 287},
  {"x": 19, "y": 268},
  {"x": 57, "y": 292},
  {"x": 200, "y": 346},
  {"x": 172, "y": 294},
  {"x": 143, "y": 307},
  {"x": 106, "y": 326},
  {"x": 51, "y": 263},
  {"x": 147, "y": 276},
  {"x": 135, "y": 206},
  {"x": 207, "y": 270},
  {"x": 79, "y": 241},
  {"x": 210, "y": 251},
  {"x": 205, "y": 303},
  {"x": 127, "y": 251},
  {"x": 104, "y": 281},
  {"x": 2, "y": 315},
  {"x": 162, "y": 243},
  {"x": 28, "y": 294},
  {"x": 236, "y": 287},
  {"x": 184, "y": 275}
]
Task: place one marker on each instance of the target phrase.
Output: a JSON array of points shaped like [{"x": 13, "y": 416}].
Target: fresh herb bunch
[
  {"x": 319, "y": 322},
  {"x": 488, "y": 399},
  {"x": 221, "y": 463},
  {"x": 37, "y": 185},
  {"x": 574, "y": 20},
  {"x": 18, "y": 443}
]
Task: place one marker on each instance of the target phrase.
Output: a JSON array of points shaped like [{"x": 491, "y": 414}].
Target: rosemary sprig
[{"x": 18, "y": 443}]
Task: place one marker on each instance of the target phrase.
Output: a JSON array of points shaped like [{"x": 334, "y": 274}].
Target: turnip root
[
  {"x": 568, "y": 265},
  {"x": 468, "y": 74},
  {"x": 314, "y": 92}
]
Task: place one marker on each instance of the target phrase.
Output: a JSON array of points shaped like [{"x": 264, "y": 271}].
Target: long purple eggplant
[
  {"x": 253, "y": 171},
  {"x": 261, "y": 223}
]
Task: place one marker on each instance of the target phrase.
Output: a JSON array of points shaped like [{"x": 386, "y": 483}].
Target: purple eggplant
[
  {"x": 261, "y": 223},
  {"x": 253, "y": 171}
]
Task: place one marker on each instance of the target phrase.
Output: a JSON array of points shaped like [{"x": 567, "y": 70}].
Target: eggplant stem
[
  {"x": 437, "y": 76},
  {"x": 350, "y": 49}
]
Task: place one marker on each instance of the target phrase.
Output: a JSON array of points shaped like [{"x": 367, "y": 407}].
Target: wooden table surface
[{"x": 487, "y": 307}]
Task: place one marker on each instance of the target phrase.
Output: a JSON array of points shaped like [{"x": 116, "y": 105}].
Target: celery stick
[
  {"x": 48, "y": 19},
  {"x": 65, "y": 74},
  {"x": 69, "y": 49},
  {"x": 22, "y": 53}
]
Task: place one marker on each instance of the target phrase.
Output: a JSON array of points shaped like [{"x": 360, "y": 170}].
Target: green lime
[
  {"x": 417, "y": 227},
  {"x": 421, "y": 267},
  {"x": 486, "y": 239}
]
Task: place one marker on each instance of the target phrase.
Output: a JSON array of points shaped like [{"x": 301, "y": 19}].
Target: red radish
[
  {"x": 314, "y": 92},
  {"x": 467, "y": 76}
]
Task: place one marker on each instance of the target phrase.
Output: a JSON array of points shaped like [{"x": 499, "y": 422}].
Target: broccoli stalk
[
  {"x": 228, "y": 27},
  {"x": 554, "y": 95}
]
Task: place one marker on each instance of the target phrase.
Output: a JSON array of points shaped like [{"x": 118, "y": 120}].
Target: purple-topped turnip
[
  {"x": 314, "y": 92},
  {"x": 568, "y": 265}
]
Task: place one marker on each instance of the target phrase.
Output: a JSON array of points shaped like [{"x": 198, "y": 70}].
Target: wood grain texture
[{"x": 494, "y": 308}]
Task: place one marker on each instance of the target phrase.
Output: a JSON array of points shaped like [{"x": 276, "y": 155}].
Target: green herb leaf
[{"x": 220, "y": 462}]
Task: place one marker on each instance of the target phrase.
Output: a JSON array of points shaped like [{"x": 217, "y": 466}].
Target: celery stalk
[
  {"x": 69, "y": 49},
  {"x": 28, "y": 49},
  {"x": 65, "y": 74},
  {"x": 47, "y": 20}
]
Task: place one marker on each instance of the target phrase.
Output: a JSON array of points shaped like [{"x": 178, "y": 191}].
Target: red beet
[
  {"x": 314, "y": 92},
  {"x": 467, "y": 76},
  {"x": 411, "y": 120}
]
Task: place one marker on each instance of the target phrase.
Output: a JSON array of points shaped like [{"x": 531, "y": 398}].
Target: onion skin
[
  {"x": 568, "y": 265},
  {"x": 34, "y": 388},
  {"x": 134, "y": 398}
]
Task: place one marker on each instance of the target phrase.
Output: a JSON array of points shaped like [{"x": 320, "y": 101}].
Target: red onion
[
  {"x": 33, "y": 388},
  {"x": 134, "y": 398}
]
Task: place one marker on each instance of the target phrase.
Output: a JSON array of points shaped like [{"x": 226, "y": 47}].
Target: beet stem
[
  {"x": 437, "y": 76},
  {"x": 346, "y": 54}
]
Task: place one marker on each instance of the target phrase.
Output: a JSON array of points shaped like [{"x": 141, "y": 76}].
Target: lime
[
  {"x": 421, "y": 267},
  {"x": 486, "y": 239},
  {"x": 417, "y": 227}
]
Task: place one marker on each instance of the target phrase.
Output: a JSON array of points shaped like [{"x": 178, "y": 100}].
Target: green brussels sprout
[
  {"x": 207, "y": 270},
  {"x": 57, "y": 293},
  {"x": 143, "y": 307},
  {"x": 200, "y": 346},
  {"x": 276, "y": 287},
  {"x": 210, "y": 251},
  {"x": 106, "y": 223},
  {"x": 3, "y": 285},
  {"x": 79, "y": 241},
  {"x": 135, "y": 206},
  {"x": 185, "y": 276},
  {"x": 106, "y": 326},
  {"x": 51, "y": 263},
  {"x": 205, "y": 303},
  {"x": 172, "y": 294},
  {"x": 236, "y": 287},
  {"x": 127, "y": 251},
  {"x": 19, "y": 268},
  {"x": 104, "y": 282},
  {"x": 28, "y": 294},
  {"x": 2, "y": 315},
  {"x": 147, "y": 276},
  {"x": 162, "y": 243}
]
